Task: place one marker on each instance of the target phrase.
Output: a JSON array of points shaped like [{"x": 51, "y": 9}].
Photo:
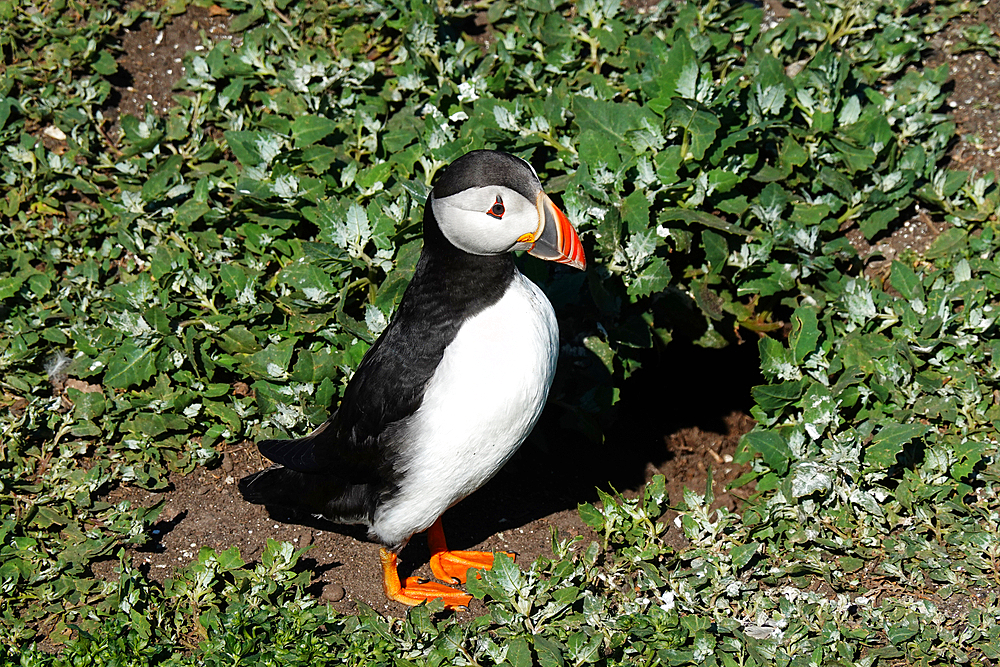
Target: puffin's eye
[{"x": 497, "y": 209}]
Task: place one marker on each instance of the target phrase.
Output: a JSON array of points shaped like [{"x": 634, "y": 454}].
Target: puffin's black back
[{"x": 349, "y": 460}]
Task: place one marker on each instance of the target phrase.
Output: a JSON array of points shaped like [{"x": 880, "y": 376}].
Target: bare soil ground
[
  {"x": 681, "y": 416},
  {"x": 152, "y": 60}
]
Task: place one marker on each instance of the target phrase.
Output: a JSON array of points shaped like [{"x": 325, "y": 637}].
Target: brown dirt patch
[
  {"x": 152, "y": 60},
  {"x": 974, "y": 100}
]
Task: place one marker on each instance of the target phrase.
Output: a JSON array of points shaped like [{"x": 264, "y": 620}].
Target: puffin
[{"x": 452, "y": 386}]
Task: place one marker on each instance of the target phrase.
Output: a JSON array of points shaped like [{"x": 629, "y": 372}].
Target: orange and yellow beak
[{"x": 555, "y": 239}]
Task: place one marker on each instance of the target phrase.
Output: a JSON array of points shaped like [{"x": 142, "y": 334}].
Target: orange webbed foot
[
  {"x": 452, "y": 566},
  {"x": 417, "y": 590}
]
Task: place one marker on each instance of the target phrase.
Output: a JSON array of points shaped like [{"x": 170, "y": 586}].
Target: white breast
[{"x": 479, "y": 406}]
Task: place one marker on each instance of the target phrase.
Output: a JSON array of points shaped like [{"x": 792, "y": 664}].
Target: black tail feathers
[
  {"x": 278, "y": 487},
  {"x": 301, "y": 493},
  {"x": 303, "y": 454},
  {"x": 270, "y": 486}
]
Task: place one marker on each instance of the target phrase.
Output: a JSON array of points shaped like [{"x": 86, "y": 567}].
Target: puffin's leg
[
  {"x": 452, "y": 565},
  {"x": 416, "y": 590}
]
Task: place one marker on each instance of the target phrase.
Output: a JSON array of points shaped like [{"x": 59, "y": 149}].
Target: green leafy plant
[
  {"x": 183, "y": 281},
  {"x": 978, "y": 37}
]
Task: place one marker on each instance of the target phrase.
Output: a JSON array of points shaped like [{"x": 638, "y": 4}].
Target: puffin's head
[{"x": 489, "y": 203}]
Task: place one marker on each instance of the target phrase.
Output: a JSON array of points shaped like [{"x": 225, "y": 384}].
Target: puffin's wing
[
  {"x": 388, "y": 387},
  {"x": 369, "y": 426}
]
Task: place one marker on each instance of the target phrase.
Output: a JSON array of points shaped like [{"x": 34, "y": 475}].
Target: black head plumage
[{"x": 485, "y": 167}]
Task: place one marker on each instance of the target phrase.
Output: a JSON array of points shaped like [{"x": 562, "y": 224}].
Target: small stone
[{"x": 332, "y": 593}]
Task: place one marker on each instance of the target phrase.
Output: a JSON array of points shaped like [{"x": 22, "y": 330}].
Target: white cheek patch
[{"x": 463, "y": 219}]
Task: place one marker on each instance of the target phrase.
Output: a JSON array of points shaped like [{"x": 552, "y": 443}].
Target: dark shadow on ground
[{"x": 682, "y": 387}]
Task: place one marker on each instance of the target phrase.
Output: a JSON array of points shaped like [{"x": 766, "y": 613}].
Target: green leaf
[
  {"x": 804, "y": 334},
  {"x": 652, "y": 279},
  {"x": 876, "y": 220},
  {"x": 655, "y": 495},
  {"x": 776, "y": 360},
  {"x": 244, "y": 20},
  {"x": 906, "y": 281},
  {"x": 741, "y": 554},
  {"x": 549, "y": 652},
  {"x": 159, "y": 181},
  {"x": 153, "y": 425},
  {"x": 602, "y": 350},
  {"x": 950, "y": 242},
  {"x": 771, "y": 86},
  {"x": 770, "y": 98},
  {"x": 244, "y": 146},
  {"x": 272, "y": 361},
  {"x": 308, "y": 277},
  {"x": 234, "y": 280},
  {"x": 5, "y": 108},
  {"x": 667, "y": 162},
  {"x": 519, "y": 653},
  {"x": 105, "y": 64},
  {"x": 898, "y": 634},
  {"x": 969, "y": 454},
  {"x": 635, "y": 213},
  {"x": 239, "y": 340},
  {"x": 716, "y": 250},
  {"x": 583, "y": 649},
  {"x": 230, "y": 559},
  {"x": 850, "y": 563},
  {"x": 702, "y": 218},
  {"x": 507, "y": 575},
  {"x": 376, "y": 174},
  {"x": 591, "y": 516},
  {"x": 609, "y": 119},
  {"x": 139, "y": 137},
  {"x": 190, "y": 212},
  {"x": 314, "y": 366},
  {"x": 9, "y": 285},
  {"x": 889, "y": 441},
  {"x": 697, "y": 121},
  {"x": 678, "y": 75},
  {"x": 131, "y": 365},
  {"x": 308, "y": 129},
  {"x": 86, "y": 405},
  {"x": 771, "y": 446},
  {"x": 46, "y": 517},
  {"x": 157, "y": 318}
]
